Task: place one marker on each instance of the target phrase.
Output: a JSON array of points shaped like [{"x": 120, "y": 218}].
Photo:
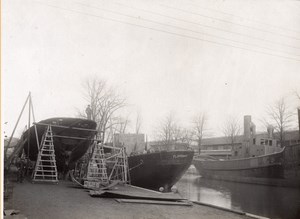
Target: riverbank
[
  {"x": 267, "y": 201},
  {"x": 67, "y": 201}
]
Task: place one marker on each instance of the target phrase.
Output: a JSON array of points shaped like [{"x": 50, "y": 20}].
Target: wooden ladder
[
  {"x": 45, "y": 168},
  {"x": 97, "y": 165}
]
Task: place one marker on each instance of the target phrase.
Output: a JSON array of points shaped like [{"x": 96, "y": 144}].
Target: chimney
[{"x": 247, "y": 126}]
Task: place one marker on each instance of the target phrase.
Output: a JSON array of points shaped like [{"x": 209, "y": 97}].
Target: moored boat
[
  {"x": 154, "y": 165},
  {"x": 259, "y": 161},
  {"x": 161, "y": 169}
]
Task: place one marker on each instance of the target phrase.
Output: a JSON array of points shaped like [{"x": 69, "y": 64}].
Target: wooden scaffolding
[
  {"x": 97, "y": 165},
  {"x": 102, "y": 169}
]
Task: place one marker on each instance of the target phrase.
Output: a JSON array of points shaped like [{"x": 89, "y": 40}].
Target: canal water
[{"x": 267, "y": 201}]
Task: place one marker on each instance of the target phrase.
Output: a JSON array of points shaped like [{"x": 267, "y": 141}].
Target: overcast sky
[{"x": 222, "y": 57}]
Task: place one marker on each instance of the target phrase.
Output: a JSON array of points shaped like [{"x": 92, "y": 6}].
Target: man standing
[
  {"x": 88, "y": 112},
  {"x": 21, "y": 164}
]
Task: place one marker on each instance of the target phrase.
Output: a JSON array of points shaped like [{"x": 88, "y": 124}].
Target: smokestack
[
  {"x": 270, "y": 130},
  {"x": 247, "y": 126}
]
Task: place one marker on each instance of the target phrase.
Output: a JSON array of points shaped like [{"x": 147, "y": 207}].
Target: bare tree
[
  {"x": 104, "y": 102},
  {"x": 177, "y": 133},
  {"x": 169, "y": 131},
  {"x": 280, "y": 117},
  {"x": 231, "y": 129},
  {"x": 199, "y": 128},
  {"x": 117, "y": 124},
  {"x": 121, "y": 124},
  {"x": 186, "y": 136}
]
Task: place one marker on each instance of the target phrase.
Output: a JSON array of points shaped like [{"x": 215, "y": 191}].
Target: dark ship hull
[
  {"x": 159, "y": 169},
  {"x": 278, "y": 169},
  {"x": 71, "y": 138}
]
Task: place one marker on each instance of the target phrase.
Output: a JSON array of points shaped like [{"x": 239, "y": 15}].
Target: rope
[{"x": 141, "y": 163}]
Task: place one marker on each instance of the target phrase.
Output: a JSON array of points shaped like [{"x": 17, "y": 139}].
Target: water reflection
[{"x": 272, "y": 202}]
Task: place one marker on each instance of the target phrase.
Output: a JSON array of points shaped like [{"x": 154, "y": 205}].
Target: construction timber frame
[{"x": 104, "y": 169}]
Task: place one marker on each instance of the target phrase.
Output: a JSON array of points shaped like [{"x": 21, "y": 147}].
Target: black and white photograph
[{"x": 136, "y": 109}]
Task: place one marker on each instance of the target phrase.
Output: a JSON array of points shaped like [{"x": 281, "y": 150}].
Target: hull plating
[
  {"x": 159, "y": 169},
  {"x": 70, "y": 147}
]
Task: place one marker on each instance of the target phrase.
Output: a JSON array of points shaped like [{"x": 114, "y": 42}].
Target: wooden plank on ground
[
  {"x": 127, "y": 191},
  {"x": 221, "y": 208},
  {"x": 143, "y": 201}
]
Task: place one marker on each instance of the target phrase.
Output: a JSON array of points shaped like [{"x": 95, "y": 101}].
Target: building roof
[{"x": 289, "y": 135}]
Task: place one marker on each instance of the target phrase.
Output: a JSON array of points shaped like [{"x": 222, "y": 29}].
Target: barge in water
[{"x": 257, "y": 160}]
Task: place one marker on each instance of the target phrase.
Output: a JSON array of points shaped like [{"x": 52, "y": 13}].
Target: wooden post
[
  {"x": 8, "y": 144},
  {"x": 299, "y": 121},
  {"x": 28, "y": 142},
  {"x": 33, "y": 117},
  {"x": 125, "y": 164}
]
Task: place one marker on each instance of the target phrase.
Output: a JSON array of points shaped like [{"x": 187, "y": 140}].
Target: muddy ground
[{"x": 65, "y": 200}]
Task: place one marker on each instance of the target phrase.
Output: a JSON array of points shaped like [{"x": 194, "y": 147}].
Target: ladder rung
[
  {"x": 47, "y": 155},
  {"x": 42, "y": 170},
  {"x": 46, "y": 166},
  {"x": 47, "y": 161},
  {"x": 44, "y": 179},
  {"x": 41, "y": 180},
  {"x": 46, "y": 171},
  {"x": 52, "y": 176},
  {"x": 96, "y": 169},
  {"x": 45, "y": 175}
]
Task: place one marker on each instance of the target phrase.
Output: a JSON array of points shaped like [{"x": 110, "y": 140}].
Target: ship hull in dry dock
[
  {"x": 72, "y": 138},
  {"x": 278, "y": 169},
  {"x": 159, "y": 169}
]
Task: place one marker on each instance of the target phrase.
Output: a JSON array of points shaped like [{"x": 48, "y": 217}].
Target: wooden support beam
[{"x": 67, "y": 127}]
